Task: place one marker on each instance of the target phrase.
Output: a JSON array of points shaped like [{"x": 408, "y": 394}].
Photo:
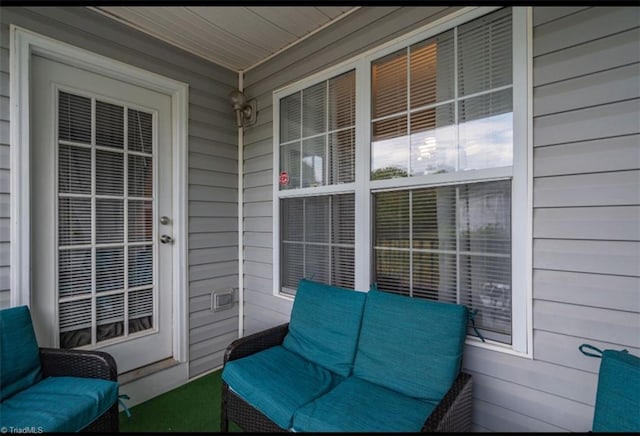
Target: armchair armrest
[
  {"x": 78, "y": 363},
  {"x": 259, "y": 341},
  {"x": 453, "y": 413}
]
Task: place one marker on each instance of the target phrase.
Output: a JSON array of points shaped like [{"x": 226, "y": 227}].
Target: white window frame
[{"x": 520, "y": 172}]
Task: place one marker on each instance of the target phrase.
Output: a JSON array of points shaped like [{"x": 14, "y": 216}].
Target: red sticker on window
[{"x": 284, "y": 178}]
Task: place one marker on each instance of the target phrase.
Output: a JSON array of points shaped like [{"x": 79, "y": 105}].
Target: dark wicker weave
[
  {"x": 453, "y": 413},
  {"x": 90, "y": 364}
]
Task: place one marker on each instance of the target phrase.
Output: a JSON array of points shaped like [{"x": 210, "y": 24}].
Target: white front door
[{"x": 101, "y": 221}]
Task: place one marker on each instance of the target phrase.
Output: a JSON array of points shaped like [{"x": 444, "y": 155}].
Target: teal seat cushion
[
  {"x": 277, "y": 382},
  {"x": 59, "y": 404},
  {"x": 356, "y": 405},
  {"x": 324, "y": 325},
  {"x": 617, "y": 406},
  {"x": 19, "y": 352},
  {"x": 411, "y": 345}
]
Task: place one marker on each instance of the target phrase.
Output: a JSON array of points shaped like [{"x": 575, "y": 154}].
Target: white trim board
[{"x": 25, "y": 43}]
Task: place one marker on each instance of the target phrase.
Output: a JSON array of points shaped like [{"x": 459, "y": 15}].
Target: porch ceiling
[{"x": 238, "y": 38}]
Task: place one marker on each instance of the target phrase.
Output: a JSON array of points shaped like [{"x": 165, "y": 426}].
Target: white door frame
[{"x": 24, "y": 43}]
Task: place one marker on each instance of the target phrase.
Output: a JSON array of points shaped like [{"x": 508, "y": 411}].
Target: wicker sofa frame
[
  {"x": 452, "y": 414},
  {"x": 89, "y": 364}
]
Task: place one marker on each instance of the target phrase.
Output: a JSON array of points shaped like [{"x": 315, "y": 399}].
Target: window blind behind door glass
[{"x": 93, "y": 158}]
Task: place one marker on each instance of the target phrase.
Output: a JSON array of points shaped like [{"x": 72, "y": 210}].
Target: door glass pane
[
  {"x": 140, "y": 131},
  {"x": 140, "y": 176},
  {"x": 140, "y": 310},
  {"x": 109, "y": 221},
  {"x": 74, "y": 118},
  {"x": 109, "y": 125},
  {"x": 140, "y": 221},
  {"x": 109, "y": 269},
  {"x": 105, "y": 221},
  {"x": 110, "y": 317},
  {"x": 74, "y": 272},
  {"x": 74, "y": 176},
  {"x": 140, "y": 266},
  {"x": 74, "y": 221},
  {"x": 109, "y": 173},
  {"x": 75, "y": 323}
]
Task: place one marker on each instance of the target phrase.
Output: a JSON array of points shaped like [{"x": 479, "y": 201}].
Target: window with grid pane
[
  {"x": 444, "y": 105},
  {"x": 317, "y": 149}
]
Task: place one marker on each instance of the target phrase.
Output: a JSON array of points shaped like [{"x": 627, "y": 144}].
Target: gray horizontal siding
[
  {"x": 5, "y": 176},
  {"x": 586, "y": 193},
  {"x": 586, "y": 236},
  {"x": 212, "y": 192}
]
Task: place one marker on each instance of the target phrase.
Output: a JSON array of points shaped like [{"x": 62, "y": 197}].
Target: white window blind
[{"x": 105, "y": 220}]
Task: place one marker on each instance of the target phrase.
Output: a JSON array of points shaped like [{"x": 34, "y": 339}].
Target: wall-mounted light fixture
[{"x": 246, "y": 111}]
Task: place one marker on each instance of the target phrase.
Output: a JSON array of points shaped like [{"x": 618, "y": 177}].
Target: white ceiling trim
[{"x": 190, "y": 49}]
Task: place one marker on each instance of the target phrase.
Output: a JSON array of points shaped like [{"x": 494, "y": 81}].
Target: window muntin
[{"x": 445, "y": 104}]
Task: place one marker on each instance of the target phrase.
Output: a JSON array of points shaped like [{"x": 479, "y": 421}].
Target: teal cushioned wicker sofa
[{"x": 351, "y": 361}]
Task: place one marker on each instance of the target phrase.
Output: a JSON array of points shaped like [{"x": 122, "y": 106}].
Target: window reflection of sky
[{"x": 483, "y": 143}]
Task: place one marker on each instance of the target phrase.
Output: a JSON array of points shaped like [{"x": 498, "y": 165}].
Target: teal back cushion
[
  {"x": 410, "y": 345},
  {"x": 324, "y": 325},
  {"x": 19, "y": 353},
  {"x": 618, "y": 395}
]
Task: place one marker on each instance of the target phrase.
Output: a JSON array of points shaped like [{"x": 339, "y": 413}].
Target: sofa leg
[{"x": 224, "y": 420}]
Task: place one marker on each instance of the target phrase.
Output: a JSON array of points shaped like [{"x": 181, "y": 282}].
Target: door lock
[{"x": 166, "y": 239}]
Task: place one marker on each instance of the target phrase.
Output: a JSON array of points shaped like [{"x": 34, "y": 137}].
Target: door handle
[{"x": 166, "y": 239}]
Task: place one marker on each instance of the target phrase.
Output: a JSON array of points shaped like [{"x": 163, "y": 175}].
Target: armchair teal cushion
[
  {"x": 324, "y": 326},
  {"x": 356, "y": 405},
  {"x": 411, "y": 345},
  {"x": 617, "y": 406},
  {"x": 19, "y": 352},
  {"x": 59, "y": 404},
  {"x": 277, "y": 382}
]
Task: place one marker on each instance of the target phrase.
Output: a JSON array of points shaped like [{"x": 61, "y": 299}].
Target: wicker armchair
[
  {"x": 452, "y": 414},
  {"x": 51, "y": 389},
  {"x": 91, "y": 364}
]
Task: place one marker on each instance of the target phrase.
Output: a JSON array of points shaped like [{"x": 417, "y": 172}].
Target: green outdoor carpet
[{"x": 193, "y": 407}]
